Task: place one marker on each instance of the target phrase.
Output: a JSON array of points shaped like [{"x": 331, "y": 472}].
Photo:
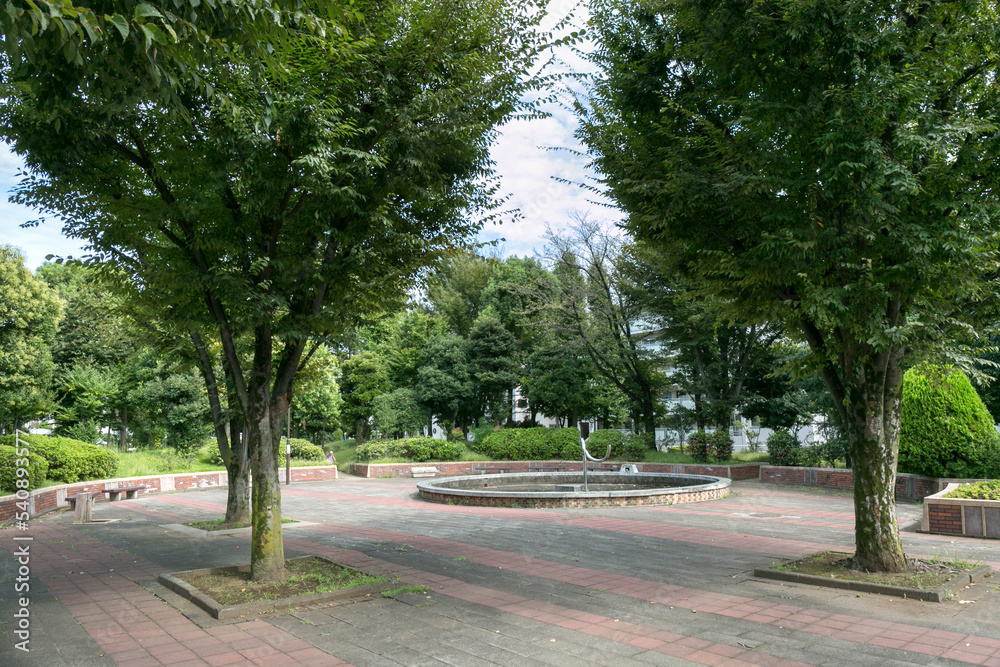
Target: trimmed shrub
[
  {"x": 636, "y": 445},
  {"x": 783, "y": 449},
  {"x": 824, "y": 454},
  {"x": 597, "y": 445},
  {"x": 414, "y": 449},
  {"x": 699, "y": 446},
  {"x": 624, "y": 446},
  {"x": 721, "y": 445},
  {"x": 305, "y": 450},
  {"x": 70, "y": 460},
  {"x": 10, "y": 462},
  {"x": 946, "y": 431},
  {"x": 531, "y": 444}
]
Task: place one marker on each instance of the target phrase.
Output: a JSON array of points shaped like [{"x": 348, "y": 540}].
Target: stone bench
[
  {"x": 491, "y": 470},
  {"x": 114, "y": 493},
  {"x": 538, "y": 467},
  {"x": 423, "y": 471}
]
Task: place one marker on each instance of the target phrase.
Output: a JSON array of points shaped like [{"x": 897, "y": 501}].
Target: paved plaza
[{"x": 631, "y": 586}]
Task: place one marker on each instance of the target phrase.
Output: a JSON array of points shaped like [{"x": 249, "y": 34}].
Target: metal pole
[{"x": 288, "y": 446}]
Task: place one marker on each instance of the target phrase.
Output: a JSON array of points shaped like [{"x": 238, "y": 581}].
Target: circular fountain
[{"x": 574, "y": 489}]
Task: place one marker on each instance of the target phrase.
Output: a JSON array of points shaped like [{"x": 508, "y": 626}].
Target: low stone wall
[
  {"x": 742, "y": 471},
  {"x": 50, "y": 498},
  {"x": 907, "y": 485},
  {"x": 960, "y": 516}
]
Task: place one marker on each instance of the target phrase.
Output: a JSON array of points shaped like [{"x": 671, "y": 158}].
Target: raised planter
[
  {"x": 960, "y": 516},
  {"x": 939, "y": 594},
  {"x": 223, "y": 612},
  {"x": 51, "y": 498}
]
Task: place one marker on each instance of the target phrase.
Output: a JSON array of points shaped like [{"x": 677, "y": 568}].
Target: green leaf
[
  {"x": 144, "y": 10},
  {"x": 121, "y": 23}
]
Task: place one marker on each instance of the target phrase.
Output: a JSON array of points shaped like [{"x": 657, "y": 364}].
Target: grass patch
[
  {"x": 312, "y": 575},
  {"x": 923, "y": 574},
  {"x": 166, "y": 461},
  {"x": 220, "y": 524},
  {"x": 419, "y": 590}
]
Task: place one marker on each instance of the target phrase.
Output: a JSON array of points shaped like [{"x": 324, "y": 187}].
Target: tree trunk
[
  {"x": 232, "y": 445},
  {"x": 871, "y": 425},
  {"x": 699, "y": 413},
  {"x": 238, "y": 469},
  {"x": 123, "y": 436},
  {"x": 267, "y": 552}
]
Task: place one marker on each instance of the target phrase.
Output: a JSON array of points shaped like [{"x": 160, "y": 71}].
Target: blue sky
[{"x": 529, "y": 156}]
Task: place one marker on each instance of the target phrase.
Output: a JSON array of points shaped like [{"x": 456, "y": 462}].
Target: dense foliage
[
  {"x": 532, "y": 444},
  {"x": 11, "y": 462},
  {"x": 715, "y": 446},
  {"x": 624, "y": 447},
  {"x": 29, "y": 312},
  {"x": 946, "y": 430},
  {"x": 70, "y": 460},
  {"x": 783, "y": 449},
  {"x": 413, "y": 449},
  {"x": 827, "y": 165}
]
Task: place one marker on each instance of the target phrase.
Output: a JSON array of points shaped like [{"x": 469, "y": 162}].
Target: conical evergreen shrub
[{"x": 946, "y": 431}]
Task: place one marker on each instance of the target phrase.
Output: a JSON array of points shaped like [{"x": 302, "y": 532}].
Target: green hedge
[
  {"x": 945, "y": 431},
  {"x": 305, "y": 450},
  {"x": 413, "y": 449},
  {"x": 783, "y": 449},
  {"x": 10, "y": 462},
  {"x": 301, "y": 449},
  {"x": 630, "y": 447},
  {"x": 70, "y": 460},
  {"x": 532, "y": 444}
]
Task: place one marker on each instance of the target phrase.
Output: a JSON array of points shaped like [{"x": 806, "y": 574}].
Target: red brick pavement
[{"x": 98, "y": 585}]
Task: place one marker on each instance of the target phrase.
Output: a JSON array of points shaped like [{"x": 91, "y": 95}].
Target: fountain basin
[{"x": 565, "y": 489}]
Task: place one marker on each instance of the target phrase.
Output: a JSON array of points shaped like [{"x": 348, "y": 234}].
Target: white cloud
[{"x": 36, "y": 242}]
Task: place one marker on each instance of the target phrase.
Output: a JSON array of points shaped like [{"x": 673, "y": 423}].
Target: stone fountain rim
[{"x": 711, "y": 483}]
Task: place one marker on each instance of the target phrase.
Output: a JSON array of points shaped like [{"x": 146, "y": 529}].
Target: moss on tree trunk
[{"x": 871, "y": 423}]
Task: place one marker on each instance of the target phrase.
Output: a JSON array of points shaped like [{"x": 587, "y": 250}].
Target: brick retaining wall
[
  {"x": 54, "y": 497},
  {"x": 741, "y": 471},
  {"x": 907, "y": 485}
]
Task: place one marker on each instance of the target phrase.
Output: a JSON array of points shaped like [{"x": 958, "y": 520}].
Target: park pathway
[{"x": 629, "y": 586}]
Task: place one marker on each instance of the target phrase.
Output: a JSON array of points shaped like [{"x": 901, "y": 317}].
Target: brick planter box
[
  {"x": 50, "y": 498},
  {"x": 960, "y": 516}
]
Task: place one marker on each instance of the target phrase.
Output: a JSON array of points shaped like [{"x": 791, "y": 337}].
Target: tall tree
[
  {"x": 593, "y": 301},
  {"x": 280, "y": 170},
  {"x": 455, "y": 289},
  {"x": 362, "y": 380},
  {"x": 445, "y": 382},
  {"x": 29, "y": 313},
  {"x": 715, "y": 358},
  {"x": 828, "y": 165}
]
